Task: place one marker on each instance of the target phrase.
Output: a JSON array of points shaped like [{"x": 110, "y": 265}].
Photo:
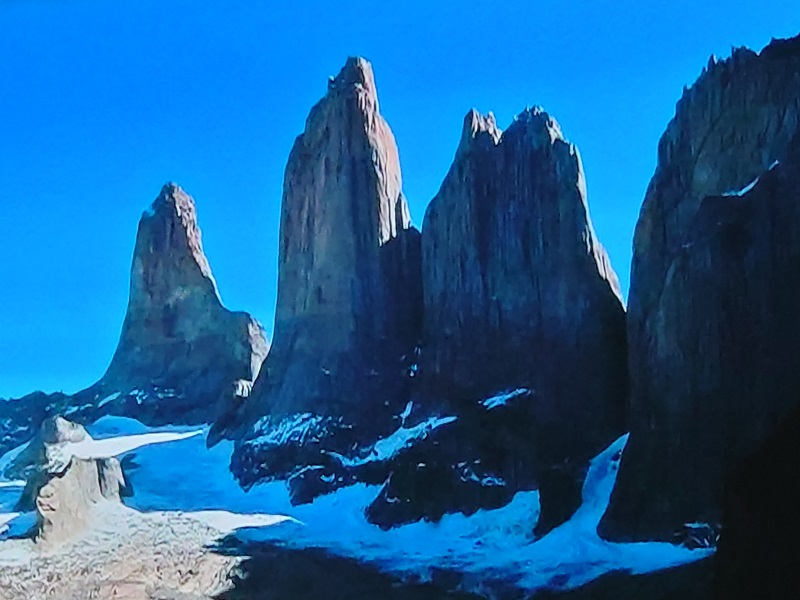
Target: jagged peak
[
  {"x": 173, "y": 204},
  {"x": 356, "y": 72},
  {"x": 477, "y": 124},
  {"x": 538, "y": 125}
]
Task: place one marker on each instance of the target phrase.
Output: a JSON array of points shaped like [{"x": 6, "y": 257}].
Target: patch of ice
[
  {"x": 228, "y": 522},
  {"x": 59, "y": 455},
  {"x": 750, "y": 185},
  {"x": 388, "y": 447},
  {"x": 486, "y": 547},
  {"x": 109, "y": 398},
  {"x": 11, "y": 456},
  {"x": 406, "y": 412},
  {"x": 15, "y": 524},
  {"x": 12, "y": 484},
  {"x": 503, "y": 398}
]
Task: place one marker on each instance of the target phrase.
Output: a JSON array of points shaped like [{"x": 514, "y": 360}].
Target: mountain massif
[{"x": 490, "y": 353}]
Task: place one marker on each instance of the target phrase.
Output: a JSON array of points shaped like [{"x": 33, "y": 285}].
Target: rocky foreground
[{"x": 125, "y": 554}]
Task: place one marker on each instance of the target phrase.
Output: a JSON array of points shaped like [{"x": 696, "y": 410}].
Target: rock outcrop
[
  {"x": 177, "y": 337},
  {"x": 517, "y": 294},
  {"x": 712, "y": 324},
  {"x": 65, "y": 497},
  {"x": 181, "y": 358},
  {"x": 348, "y": 284},
  {"x": 520, "y": 295}
]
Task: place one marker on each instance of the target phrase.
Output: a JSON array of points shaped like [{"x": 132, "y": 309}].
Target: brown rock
[
  {"x": 348, "y": 278},
  {"x": 65, "y": 500}
]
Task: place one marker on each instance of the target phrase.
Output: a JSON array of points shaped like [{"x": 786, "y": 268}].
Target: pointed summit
[
  {"x": 349, "y": 296},
  {"x": 176, "y": 333},
  {"x": 477, "y": 125},
  {"x": 356, "y": 72}
]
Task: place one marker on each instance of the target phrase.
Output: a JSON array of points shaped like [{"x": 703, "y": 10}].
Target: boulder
[{"x": 66, "y": 496}]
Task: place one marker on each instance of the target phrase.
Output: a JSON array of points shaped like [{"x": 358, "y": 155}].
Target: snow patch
[
  {"x": 107, "y": 399},
  {"x": 488, "y": 547},
  {"x": 750, "y": 185},
  {"x": 228, "y": 522},
  {"x": 59, "y": 455},
  {"x": 11, "y": 456},
  {"x": 503, "y": 398},
  {"x": 390, "y": 446}
]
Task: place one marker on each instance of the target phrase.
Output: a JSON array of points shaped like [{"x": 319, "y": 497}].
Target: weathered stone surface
[
  {"x": 348, "y": 282},
  {"x": 519, "y": 294},
  {"x": 712, "y": 323},
  {"x": 177, "y": 336},
  {"x": 181, "y": 358},
  {"x": 65, "y": 500}
]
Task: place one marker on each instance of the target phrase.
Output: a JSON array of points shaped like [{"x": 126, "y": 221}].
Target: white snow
[
  {"x": 294, "y": 428},
  {"x": 406, "y": 412},
  {"x": 109, "y": 398},
  {"x": 10, "y": 456},
  {"x": 228, "y": 522},
  {"x": 388, "y": 447},
  {"x": 750, "y": 185},
  {"x": 502, "y": 398},
  {"x": 59, "y": 455},
  {"x": 486, "y": 547}
]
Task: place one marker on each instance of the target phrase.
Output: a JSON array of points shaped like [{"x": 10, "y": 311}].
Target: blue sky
[{"x": 102, "y": 102}]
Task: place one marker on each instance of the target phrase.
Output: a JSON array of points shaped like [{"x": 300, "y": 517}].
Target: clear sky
[{"x": 101, "y": 102}]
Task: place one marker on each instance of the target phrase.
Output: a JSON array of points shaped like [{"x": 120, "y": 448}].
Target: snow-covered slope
[{"x": 490, "y": 547}]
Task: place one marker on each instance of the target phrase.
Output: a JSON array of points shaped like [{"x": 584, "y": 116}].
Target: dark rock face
[
  {"x": 348, "y": 287},
  {"x": 519, "y": 294},
  {"x": 182, "y": 357},
  {"x": 712, "y": 324},
  {"x": 758, "y": 552}
]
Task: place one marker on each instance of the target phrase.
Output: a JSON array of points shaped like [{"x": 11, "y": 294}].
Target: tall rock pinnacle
[
  {"x": 176, "y": 333},
  {"x": 712, "y": 322},
  {"x": 181, "y": 357},
  {"x": 348, "y": 278},
  {"x": 519, "y": 293}
]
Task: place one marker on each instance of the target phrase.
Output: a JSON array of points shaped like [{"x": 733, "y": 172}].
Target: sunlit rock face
[
  {"x": 66, "y": 496},
  {"x": 712, "y": 323},
  {"x": 176, "y": 335},
  {"x": 348, "y": 288},
  {"x": 348, "y": 307}
]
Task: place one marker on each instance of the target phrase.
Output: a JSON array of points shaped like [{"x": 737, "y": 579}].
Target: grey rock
[
  {"x": 65, "y": 500},
  {"x": 348, "y": 303},
  {"x": 181, "y": 358},
  {"x": 519, "y": 293},
  {"x": 712, "y": 324}
]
